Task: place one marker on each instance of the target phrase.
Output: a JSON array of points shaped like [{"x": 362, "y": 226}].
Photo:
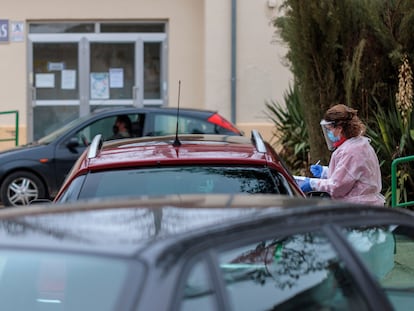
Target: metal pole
[
  {"x": 16, "y": 142},
  {"x": 233, "y": 59},
  {"x": 394, "y": 164}
]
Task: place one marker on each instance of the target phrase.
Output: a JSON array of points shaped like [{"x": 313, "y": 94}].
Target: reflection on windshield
[
  {"x": 59, "y": 132},
  {"x": 294, "y": 273},
  {"x": 181, "y": 180},
  {"x": 52, "y": 281}
]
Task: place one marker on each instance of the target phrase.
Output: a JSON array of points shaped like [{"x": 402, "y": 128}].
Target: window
[
  {"x": 295, "y": 273},
  {"x": 61, "y": 27},
  {"x": 152, "y": 70},
  {"x": 388, "y": 252},
  {"x": 198, "y": 292},
  {"x": 62, "y": 116},
  {"x": 105, "y": 57},
  {"x": 76, "y": 67},
  {"x": 49, "y": 281},
  {"x": 133, "y": 27},
  {"x": 166, "y": 125},
  {"x": 53, "y": 61},
  {"x": 105, "y": 128}
]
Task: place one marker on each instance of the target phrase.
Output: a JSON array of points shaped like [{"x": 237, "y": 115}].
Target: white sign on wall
[{"x": 17, "y": 31}]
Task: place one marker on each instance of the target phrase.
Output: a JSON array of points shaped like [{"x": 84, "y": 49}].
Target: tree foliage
[
  {"x": 351, "y": 52},
  {"x": 344, "y": 51},
  {"x": 290, "y": 131}
]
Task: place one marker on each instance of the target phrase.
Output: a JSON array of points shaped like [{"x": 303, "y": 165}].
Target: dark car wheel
[{"x": 20, "y": 188}]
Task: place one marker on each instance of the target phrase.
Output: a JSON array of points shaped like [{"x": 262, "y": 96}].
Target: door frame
[{"x": 83, "y": 40}]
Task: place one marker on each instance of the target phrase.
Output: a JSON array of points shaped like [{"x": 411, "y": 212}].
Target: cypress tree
[{"x": 344, "y": 51}]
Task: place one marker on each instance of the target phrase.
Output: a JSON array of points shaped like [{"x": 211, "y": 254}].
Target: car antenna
[{"x": 177, "y": 142}]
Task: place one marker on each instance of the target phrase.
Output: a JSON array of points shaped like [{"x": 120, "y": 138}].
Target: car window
[
  {"x": 72, "y": 192},
  {"x": 62, "y": 130},
  {"x": 299, "y": 272},
  {"x": 180, "y": 180},
  {"x": 167, "y": 124},
  {"x": 104, "y": 127},
  {"x": 50, "y": 281},
  {"x": 198, "y": 292},
  {"x": 388, "y": 252}
]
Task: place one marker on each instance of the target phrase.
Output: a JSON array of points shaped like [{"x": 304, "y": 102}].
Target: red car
[{"x": 183, "y": 164}]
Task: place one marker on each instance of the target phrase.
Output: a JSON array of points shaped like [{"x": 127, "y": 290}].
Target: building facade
[{"x": 62, "y": 59}]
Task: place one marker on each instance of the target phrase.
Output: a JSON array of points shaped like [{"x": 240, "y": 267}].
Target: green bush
[
  {"x": 393, "y": 138},
  {"x": 290, "y": 136}
]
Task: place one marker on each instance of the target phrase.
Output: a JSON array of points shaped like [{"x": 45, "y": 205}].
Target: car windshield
[
  {"x": 31, "y": 280},
  {"x": 62, "y": 130},
  {"x": 177, "y": 180}
]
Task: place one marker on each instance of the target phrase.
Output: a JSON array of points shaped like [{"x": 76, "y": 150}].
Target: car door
[
  {"x": 71, "y": 146},
  {"x": 67, "y": 151},
  {"x": 293, "y": 272},
  {"x": 305, "y": 270}
]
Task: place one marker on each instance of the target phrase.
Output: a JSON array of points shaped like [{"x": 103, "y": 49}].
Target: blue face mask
[{"x": 332, "y": 137}]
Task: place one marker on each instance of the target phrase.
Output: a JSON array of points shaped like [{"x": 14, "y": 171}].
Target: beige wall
[
  {"x": 199, "y": 52},
  {"x": 260, "y": 75},
  {"x": 8, "y": 134},
  {"x": 217, "y": 56}
]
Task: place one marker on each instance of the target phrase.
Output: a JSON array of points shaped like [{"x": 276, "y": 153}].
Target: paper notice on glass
[
  {"x": 45, "y": 80},
  {"x": 55, "y": 66},
  {"x": 99, "y": 85},
  {"x": 68, "y": 79},
  {"x": 116, "y": 78}
]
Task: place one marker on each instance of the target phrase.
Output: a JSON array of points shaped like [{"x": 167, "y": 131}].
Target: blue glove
[
  {"x": 316, "y": 170},
  {"x": 306, "y": 187}
]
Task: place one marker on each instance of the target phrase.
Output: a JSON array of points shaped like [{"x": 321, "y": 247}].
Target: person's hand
[
  {"x": 306, "y": 187},
  {"x": 316, "y": 170}
]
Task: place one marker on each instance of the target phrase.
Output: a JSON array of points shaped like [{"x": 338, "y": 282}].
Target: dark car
[
  {"x": 37, "y": 170},
  {"x": 216, "y": 252},
  {"x": 183, "y": 164}
]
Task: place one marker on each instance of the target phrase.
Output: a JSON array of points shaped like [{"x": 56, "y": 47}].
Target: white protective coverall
[{"x": 353, "y": 174}]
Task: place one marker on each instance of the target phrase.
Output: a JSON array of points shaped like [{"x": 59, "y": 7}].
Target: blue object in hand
[
  {"x": 306, "y": 187},
  {"x": 316, "y": 170}
]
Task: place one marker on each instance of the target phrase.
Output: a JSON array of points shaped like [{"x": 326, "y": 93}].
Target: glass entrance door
[
  {"x": 71, "y": 75},
  {"x": 54, "y": 85},
  {"x": 71, "y": 79},
  {"x": 115, "y": 72},
  {"x": 112, "y": 75}
]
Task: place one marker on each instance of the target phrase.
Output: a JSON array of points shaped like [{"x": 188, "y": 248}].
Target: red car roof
[{"x": 165, "y": 153}]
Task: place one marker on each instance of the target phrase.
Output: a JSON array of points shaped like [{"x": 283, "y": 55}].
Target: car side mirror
[
  {"x": 72, "y": 144},
  {"x": 318, "y": 194}
]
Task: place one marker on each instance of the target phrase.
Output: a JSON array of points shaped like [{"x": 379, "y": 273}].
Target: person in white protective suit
[{"x": 353, "y": 174}]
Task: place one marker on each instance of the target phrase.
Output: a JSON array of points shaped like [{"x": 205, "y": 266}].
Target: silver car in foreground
[{"x": 216, "y": 252}]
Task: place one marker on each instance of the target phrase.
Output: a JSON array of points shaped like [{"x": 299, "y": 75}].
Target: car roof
[
  {"x": 171, "y": 110},
  {"x": 187, "y": 112},
  {"x": 193, "y": 149},
  {"x": 127, "y": 227}
]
